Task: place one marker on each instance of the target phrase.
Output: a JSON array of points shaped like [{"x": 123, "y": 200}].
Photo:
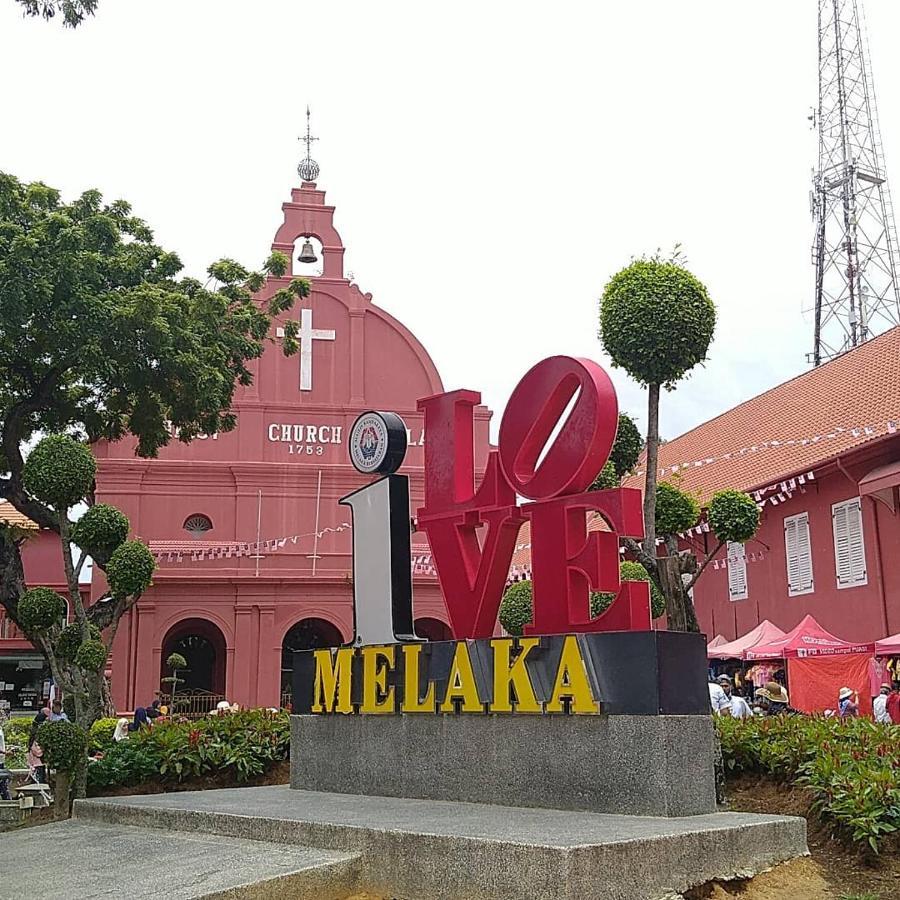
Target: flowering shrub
[
  {"x": 244, "y": 744},
  {"x": 850, "y": 766}
]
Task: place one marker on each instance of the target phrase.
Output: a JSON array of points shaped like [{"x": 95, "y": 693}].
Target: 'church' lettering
[{"x": 305, "y": 434}]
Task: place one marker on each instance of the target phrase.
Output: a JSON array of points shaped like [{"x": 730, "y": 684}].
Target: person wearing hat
[
  {"x": 773, "y": 699},
  {"x": 879, "y": 705},
  {"x": 848, "y": 705},
  {"x": 739, "y": 708}
]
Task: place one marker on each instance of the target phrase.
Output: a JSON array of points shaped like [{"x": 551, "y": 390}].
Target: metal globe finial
[{"x": 308, "y": 169}]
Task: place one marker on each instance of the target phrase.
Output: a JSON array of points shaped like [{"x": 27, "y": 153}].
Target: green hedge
[
  {"x": 16, "y": 732},
  {"x": 850, "y": 766},
  {"x": 242, "y": 745}
]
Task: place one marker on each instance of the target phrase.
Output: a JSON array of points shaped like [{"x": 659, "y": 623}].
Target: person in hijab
[
  {"x": 121, "y": 732},
  {"x": 35, "y": 755},
  {"x": 140, "y": 719}
]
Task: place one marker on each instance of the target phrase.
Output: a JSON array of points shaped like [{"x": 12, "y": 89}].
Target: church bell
[{"x": 307, "y": 254}]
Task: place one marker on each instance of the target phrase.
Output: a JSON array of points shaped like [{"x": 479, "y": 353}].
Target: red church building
[{"x": 232, "y": 608}]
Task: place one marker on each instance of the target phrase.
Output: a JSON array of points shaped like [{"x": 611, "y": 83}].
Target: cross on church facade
[{"x": 307, "y": 335}]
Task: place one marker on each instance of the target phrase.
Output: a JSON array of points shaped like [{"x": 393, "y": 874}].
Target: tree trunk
[
  {"x": 61, "y": 795},
  {"x": 679, "y": 606},
  {"x": 672, "y": 588},
  {"x": 80, "y": 784},
  {"x": 651, "y": 474}
]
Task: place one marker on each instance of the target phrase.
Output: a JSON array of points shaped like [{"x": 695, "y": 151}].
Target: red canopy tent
[
  {"x": 819, "y": 665},
  {"x": 736, "y": 649},
  {"x": 889, "y": 646},
  {"x": 717, "y": 641},
  {"x": 808, "y": 639}
]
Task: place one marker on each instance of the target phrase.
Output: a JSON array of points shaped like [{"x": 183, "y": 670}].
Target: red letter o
[{"x": 582, "y": 446}]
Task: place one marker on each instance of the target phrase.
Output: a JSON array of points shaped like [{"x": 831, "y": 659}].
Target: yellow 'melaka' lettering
[
  {"x": 411, "y": 702},
  {"x": 378, "y": 699},
  {"x": 571, "y": 681},
  {"x": 332, "y": 680},
  {"x": 515, "y": 675},
  {"x": 461, "y": 683}
]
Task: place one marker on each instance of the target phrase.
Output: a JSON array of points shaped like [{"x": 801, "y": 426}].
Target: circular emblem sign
[{"x": 377, "y": 443}]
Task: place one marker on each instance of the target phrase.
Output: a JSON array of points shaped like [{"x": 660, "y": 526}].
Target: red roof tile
[{"x": 799, "y": 425}]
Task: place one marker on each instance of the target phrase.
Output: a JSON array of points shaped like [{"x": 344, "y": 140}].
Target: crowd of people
[{"x": 726, "y": 697}]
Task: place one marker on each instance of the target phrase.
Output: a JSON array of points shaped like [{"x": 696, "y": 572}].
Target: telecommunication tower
[{"x": 855, "y": 248}]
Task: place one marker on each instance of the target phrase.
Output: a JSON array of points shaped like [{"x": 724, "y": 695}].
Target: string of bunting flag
[
  {"x": 882, "y": 428},
  {"x": 233, "y": 549}
]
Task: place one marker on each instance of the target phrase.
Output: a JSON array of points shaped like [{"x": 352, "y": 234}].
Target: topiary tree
[
  {"x": 175, "y": 662},
  {"x": 65, "y": 749},
  {"x": 101, "y": 338},
  {"x": 630, "y": 571},
  {"x": 656, "y": 322},
  {"x": 623, "y": 457},
  {"x": 515, "y": 607}
]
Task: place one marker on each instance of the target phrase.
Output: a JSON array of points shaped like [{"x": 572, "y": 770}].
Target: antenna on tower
[
  {"x": 308, "y": 169},
  {"x": 855, "y": 247}
]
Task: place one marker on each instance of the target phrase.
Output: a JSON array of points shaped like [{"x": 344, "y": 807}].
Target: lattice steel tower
[{"x": 855, "y": 248}]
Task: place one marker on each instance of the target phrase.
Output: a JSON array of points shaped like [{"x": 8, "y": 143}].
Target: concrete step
[
  {"x": 96, "y": 860},
  {"x": 426, "y": 849}
]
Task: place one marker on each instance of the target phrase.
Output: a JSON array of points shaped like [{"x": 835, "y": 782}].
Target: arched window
[{"x": 197, "y": 525}]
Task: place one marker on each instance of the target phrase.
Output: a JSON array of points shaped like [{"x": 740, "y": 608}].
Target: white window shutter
[
  {"x": 737, "y": 571},
  {"x": 849, "y": 548},
  {"x": 798, "y": 554}
]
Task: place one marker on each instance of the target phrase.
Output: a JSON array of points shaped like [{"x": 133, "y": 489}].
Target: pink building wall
[{"x": 862, "y": 613}]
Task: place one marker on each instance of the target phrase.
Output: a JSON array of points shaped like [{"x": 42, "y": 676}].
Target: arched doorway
[
  {"x": 307, "y": 634},
  {"x": 433, "y": 630},
  {"x": 202, "y": 644}
]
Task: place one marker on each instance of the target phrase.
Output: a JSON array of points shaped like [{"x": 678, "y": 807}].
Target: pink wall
[
  {"x": 863, "y": 613},
  {"x": 374, "y": 362}
]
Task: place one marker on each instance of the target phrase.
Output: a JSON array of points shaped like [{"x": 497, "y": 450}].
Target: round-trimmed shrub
[
  {"x": 630, "y": 571},
  {"x": 101, "y": 530},
  {"x": 70, "y": 640},
  {"x": 607, "y": 479},
  {"x": 63, "y": 743},
  {"x": 676, "y": 510},
  {"x": 176, "y": 661},
  {"x": 515, "y": 608},
  {"x": 59, "y": 471},
  {"x": 41, "y": 608},
  {"x": 627, "y": 447},
  {"x": 733, "y": 516},
  {"x": 656, "y": 321},
  {"x": 91, "y": 656},
  {"x": 102, "y": 734},
  {"x": 130, "y": 569}
]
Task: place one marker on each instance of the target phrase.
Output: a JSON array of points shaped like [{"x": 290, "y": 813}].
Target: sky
[{"x": 492, "y": 164}]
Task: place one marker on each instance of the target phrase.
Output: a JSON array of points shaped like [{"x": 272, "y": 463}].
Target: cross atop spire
[{"x": 308, "y": 169}]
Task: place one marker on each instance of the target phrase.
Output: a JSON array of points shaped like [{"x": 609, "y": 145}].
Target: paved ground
[
  {"x": 427, "y": 849},
  {"x": 86, "y": 860},
  {"x": 542, "y": 827}
]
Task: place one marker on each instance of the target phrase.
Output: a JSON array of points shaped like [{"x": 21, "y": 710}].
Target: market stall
[
  {"x": 762, "y": 634},
  {"x": 819, "y": 665}
]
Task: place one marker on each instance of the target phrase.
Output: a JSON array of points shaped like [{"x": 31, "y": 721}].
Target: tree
[
  {"x": 101, "y": 338},
  {"x": 623, "y": 457},
  {"x": 73, "y": 12},
  {"x": 175, "y": 662},
  {"x": 656, "y": 322}
]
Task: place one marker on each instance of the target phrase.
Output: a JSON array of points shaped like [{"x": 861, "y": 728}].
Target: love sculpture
[{"x": 472, "y": 533}]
